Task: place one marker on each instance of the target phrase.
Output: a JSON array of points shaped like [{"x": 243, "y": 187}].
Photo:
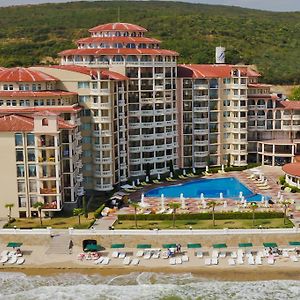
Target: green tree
[
  {"x": 286, "y": 204},
  {"x": 253, "y": 207},
  {"x": 9, "y": 206},
  {"x": 39, "y": 206},
  {"x": 84, "y": 205},
  {"x": 295, "y": 94},
  {"x": 78, "y": 212},
  {"x": 212, "y": 204},
  {"x": 135, "y": 206},
  {"x": 174, "y": 206}
]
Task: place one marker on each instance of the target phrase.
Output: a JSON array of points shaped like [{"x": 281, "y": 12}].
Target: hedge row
[
  {"x": 98, "y": 211},
  {"x": 204, "y": 216}
]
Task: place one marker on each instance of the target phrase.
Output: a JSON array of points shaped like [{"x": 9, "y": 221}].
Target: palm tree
[
  {"x": 78, "y": 212},
  {"x": 135, "y": 206},
  {"x": 9, "y": 206},
  {"x": 212, "y": 204},
  {"x": 285, "y": 204},
  {"x": 174, "y": 206},
  {"x": 253, "y": 207},
  {"x": 39, "y": 206}
]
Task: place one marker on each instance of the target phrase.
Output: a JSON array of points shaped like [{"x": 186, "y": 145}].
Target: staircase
[{"x": 59, "y": 244}]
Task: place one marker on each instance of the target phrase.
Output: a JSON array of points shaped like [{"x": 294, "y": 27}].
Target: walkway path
[
  {"x": 105, "y": 222},
  {"x": 59, "y": 244}
]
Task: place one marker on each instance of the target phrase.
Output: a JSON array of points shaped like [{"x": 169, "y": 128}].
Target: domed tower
[{"x": 150, "y": 99}]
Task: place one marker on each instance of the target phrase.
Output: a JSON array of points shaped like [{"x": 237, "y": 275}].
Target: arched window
[
  {"x": 260, "y": 113},
  {"x": 146, "y": 58},
  {"x": 118, "y": 58},
  {"x": 261, "y": 102},
  {"x": 118, "y": 33},
  {"x": 270, "y": 104},
  {"x": 159, "y": 58},
  {"x": 278, "y": 114},
  {"x": 131, "y": 46},
  {"x": 45, "y": 122},
  {"x": 103, "y": 58},
  {"x": 269, "y": 114},
  {"x": 133, "y": 34},
  {"x": 143, "y": 46},
  {"x": 132, "y": 58}
]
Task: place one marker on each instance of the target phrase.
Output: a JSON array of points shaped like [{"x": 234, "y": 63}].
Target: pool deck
[{"x": 194, "y": 205}]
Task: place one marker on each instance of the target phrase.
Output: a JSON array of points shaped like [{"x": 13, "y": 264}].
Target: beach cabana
[
  {"x": 194, "y": 245},
  {"x": 294, "y": 243},
  {"x": 219, "y": 246},
  {"x": 14, "y": 245},
  {"x": 270, "y": 245},
  {"x": 143, "y": 246},
  {"x": 167, "y": 246},
  {"x": 92, "y": 247},
  {"x": 245, "y": 245},
  {"x": 117, "y": 246}
]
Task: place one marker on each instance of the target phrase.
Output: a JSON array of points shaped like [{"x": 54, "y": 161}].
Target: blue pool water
[{"x": 211, "y": 188}]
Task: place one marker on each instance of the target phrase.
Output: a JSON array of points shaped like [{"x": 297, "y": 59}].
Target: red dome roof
[
  {"x": 24, "y": 75},
  {"x": 292, "y": 169},
  {"x": 118, "y": 27}
]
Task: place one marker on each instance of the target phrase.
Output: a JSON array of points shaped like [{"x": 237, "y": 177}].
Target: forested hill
[{"x": 270, "y": 40}]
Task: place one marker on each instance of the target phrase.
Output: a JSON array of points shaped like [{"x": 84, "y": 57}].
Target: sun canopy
[
  {"x": 126, "y": 186},
  {"x": 92, "y": 247},
  {"x": 294, "y": 243},
  {"x": 167, "y": 246},
  {"x": 14, "y": 244},
  {"x": 193, "y": 246},
  {"x": 114, "y": 246},
  {"x": 270, "y": 245},
  {"x": 245, "y": 245},
  {"x": 219, "y": 246},
  {"x": 143, "y": 246}
]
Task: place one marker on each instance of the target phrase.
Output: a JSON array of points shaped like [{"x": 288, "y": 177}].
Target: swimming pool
[{"x": 211, "y": 188}]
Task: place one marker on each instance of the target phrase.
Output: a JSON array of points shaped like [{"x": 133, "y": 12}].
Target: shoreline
[{"x": 219, "y": 273}]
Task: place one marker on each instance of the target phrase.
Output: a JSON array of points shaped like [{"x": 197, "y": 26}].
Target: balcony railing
[{"x": 48, "y": 191}]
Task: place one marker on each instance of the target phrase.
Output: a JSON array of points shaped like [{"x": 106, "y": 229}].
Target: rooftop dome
[
  {"x": 24, "y": 75},
  {"x": 118, "y": 27}
]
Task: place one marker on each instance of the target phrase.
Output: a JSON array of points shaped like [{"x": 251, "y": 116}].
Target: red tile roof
[
  {"x": 288, "y": 105},
  {"x": 292, "y": 169},
  {"x": 118, "y": 27},
  {"x": 2, "y": 69},
  {"x": 36, "y": 94},
  {"x": 106, "y": 74},
  {"x": 37, "y": 109},
  {"x": 259, "y": 85},
  {"x": 116, "y": 51},
  {"x": 77, "y": 69},
  {"x": 211, "y": 71},
  {"x": 16, "y": 122},
  {"x": 24, "y": 75},
  {"x": 118, "y": 39}
]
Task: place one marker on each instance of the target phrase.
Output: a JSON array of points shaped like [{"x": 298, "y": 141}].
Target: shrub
[
  {"x": 98, "y": 211},
  {"x": 204, "y": 216},
  {"x": 282, "y": 180}
]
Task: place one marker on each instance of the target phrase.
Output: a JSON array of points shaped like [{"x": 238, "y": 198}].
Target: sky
[{"x": 272, "y": 5}]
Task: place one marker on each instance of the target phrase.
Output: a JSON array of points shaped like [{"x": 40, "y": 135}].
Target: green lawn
[
  {"x": 53, "y": 222},
  {"x": 205, "y": 224}
]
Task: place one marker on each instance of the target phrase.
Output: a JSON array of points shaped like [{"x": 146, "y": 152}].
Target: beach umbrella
[
  {"x": 133, "y": 183},
  {"x": 225, "y": 204},
  {"x": 241, "y": 194},
  {"x": 158, "y": 176},
  {"x": 184, "y": 172},
  {"x": 194, "y": 170},
  {"x": 171, "y": 174},
  {"x": 206, "y": 168},
  {"x": 182, "y": 201},
  {"x": 222, "y": 168},
  {"x": 279, "y": 194},
  {"x": 147, "y": 178},
  {"x": 221, "y": 195},
  {"x": 143, "y": 200},
  {"x": 162, "y": 201},
  {"x": 138, "y": 181}
]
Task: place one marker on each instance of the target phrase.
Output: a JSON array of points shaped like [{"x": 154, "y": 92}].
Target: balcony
[
  {"x": 105, "y": 132},
  {"x": 159, "y": 88},
  {"x": 105, "y": 105},
  {"x": 135, "y": 149},
  {"x": 202, "y": 97},
  {"x": 159, "y": 76},
  {"x": 200, "y": 86},
  {"x": 201, "y": 143},
  {"x": 201, "y": 109},
  {"x": 79, "y": 177},
  {"x": 48, "y": 191},
  {"x": 201, "y": 121},
  {"x": 135, "y": 161}
]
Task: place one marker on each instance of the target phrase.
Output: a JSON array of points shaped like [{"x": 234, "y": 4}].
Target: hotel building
[{"x": 118, "y": 107}]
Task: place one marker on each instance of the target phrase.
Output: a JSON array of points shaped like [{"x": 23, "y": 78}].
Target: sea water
[{"x": 140, "y": 286}]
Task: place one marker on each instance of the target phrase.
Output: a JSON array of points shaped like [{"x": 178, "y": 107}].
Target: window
[
  {"x": 30, "y": 139},
  {"x": 18, "y": 139},
  {"x": 83, "y": 99},
  {"x": 45, "y": 122},
  {"x": 32, "y": 170},
  {"x": 83, "y": 85},
  {"x": 31, "y": 155},
  {"x": 20, "y": 171},
  {"x": 19, "y": 156}
]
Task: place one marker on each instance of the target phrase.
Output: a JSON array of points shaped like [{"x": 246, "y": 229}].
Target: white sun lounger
[
  {"x": 294, "y": 258},
  {"x": 215, "y": 254},
  {"x": 12, "y": 260},
  {"x": 164, "y": 255},
  {"x": 4, "y": 253},
  {"x": 240, "y": 260},
  {"x": 172, "y": 261},
  {"x": 105, "y": 261},
  {"x": 126, "y": 261},
  {"x": 271, "y": 260},
  {"x": 285, "y": 254},
  {"x": 251, "y": 260},
  {"x": 240, "y": 252},
  {"x": 140, "y": 253},
  {"x": 147, "y": 255},
  {"x": 233, "y": 254},
  {"x": 178, "y": 261},
  {"x": 207, "y": 261},
  {"x": 20, "y": 261},
  {"x": 115, "y": 254},
  {"x": 199, "y": 254},
  {"x": 135, "y": 261},
  {"x": 258, "y": 260},
  {"x": 185, "y": 258},
  {"x": 214, "y": 261},
  {"x": 231, "y": 262},
  {"x": 156, "y": 255},
  {"x": 222, "y": 255},
  {"x": 4, "y": 259},
  {"x": 122, "y": 255},
  {"x": 99, "y": 260}
]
